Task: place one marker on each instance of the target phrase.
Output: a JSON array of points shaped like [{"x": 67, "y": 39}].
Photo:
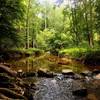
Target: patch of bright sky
[
  {"x": 53, "y": 2},
  {"x": 66, "y": 2}
]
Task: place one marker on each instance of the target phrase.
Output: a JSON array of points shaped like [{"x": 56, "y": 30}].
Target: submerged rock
[
  {"x": 28, "y": 74},
  {"x": 81, "y": 92},
  {"x": 77, "y": 76},
  {"x": 86, "y": 73},
  {"x": 45, "y": 73}
]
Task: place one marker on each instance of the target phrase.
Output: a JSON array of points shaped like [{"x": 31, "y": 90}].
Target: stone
[
  {"x": 45, "y": 73},
  {"x": 81, "y": 92},
  {"x": 60, "y": 76},
  {"x": 77, "y": 76},
  {"x": 86, "y": 73},
  {"x": 19, "y": 73},
  {"x": 97, "y": 76},
  {"x": 28, "y": 74},
  {"x": 67, "y": 72},
  {"x": 96, "y": 71}
]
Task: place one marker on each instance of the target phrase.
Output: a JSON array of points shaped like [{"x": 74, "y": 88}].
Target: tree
[
  {"x": 97, "y": 5},
  {"x": 89, "y": 20},
  {"x": 27, "y": 23},
  {"x": 11, "y": 13}
]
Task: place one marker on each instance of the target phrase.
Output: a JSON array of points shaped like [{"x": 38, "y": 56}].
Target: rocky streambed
[
  {"x": 69, "y": 86},
  {"x": 66, "y": 85},
  {"x": 55, "y": 89}
]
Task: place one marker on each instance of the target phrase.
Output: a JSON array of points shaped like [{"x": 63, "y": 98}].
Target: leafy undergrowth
[
  {"x": 78, "y": 51},
  {"x": 30, "y": 50},
  {"x": 90, "y": 56},
  {"x": 19, "y": 53}
]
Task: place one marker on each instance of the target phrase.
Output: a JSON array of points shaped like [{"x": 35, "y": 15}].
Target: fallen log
[{"x": 7, "y": 70}]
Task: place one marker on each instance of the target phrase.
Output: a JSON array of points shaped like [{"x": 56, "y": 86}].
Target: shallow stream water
[
  {"x": 54, "y": 88},
  {"x": 32, "y": 64}
]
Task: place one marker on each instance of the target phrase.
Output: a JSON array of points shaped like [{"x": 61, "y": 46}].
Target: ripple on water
[{"x": 54, "y": 89}]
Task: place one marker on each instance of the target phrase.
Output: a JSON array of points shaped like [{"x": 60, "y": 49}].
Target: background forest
[{"x": 49, "y": 24}]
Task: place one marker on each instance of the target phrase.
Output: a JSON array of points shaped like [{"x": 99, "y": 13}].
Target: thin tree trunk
[
  {"x": 74, "y": 18},
  {"x": 89, "y": 26},
  {"x": 27, "y": 25},
  {"x": 45, "y": 14}
]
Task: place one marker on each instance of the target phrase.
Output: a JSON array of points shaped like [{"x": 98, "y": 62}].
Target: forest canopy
[{"x": 49, "y": 24}]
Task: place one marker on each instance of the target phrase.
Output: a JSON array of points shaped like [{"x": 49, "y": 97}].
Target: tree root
[
  {"x": 7, "y": 70},
  {"x": 11, "y": 94}
]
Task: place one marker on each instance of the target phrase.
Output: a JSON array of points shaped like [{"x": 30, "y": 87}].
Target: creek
[{"x": 57, "y": 88}]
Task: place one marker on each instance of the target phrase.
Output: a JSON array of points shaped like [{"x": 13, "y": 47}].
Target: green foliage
[
  {"x": 97, "y": 15},
  {"x": 11, "y": 12},
  {"x": 30, "y": 51},
  {"x": 43, "y": 37},
  {"x": 22, "y": 23},
  {"x": 78, "y": 51},
  {"x": 75, "y": 52}
]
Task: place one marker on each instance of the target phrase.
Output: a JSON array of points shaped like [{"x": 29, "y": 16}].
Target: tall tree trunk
[
  {"x": 89, "y": 22},
  {"x": 45, "y": 14},
  {"x": 27, "y": 25},
  {"x": 91, "y": 25},
  {"x": 75, "y": 29}
]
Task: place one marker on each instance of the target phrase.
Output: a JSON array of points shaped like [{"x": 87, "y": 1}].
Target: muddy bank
[{"x": 91, "y": 58}]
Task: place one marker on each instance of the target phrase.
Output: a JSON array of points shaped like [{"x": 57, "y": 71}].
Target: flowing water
[{"x": 55, "y": 88}]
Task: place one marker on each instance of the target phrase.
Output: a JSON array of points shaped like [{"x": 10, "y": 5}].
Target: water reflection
[{"x": 34, "y": 63}]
